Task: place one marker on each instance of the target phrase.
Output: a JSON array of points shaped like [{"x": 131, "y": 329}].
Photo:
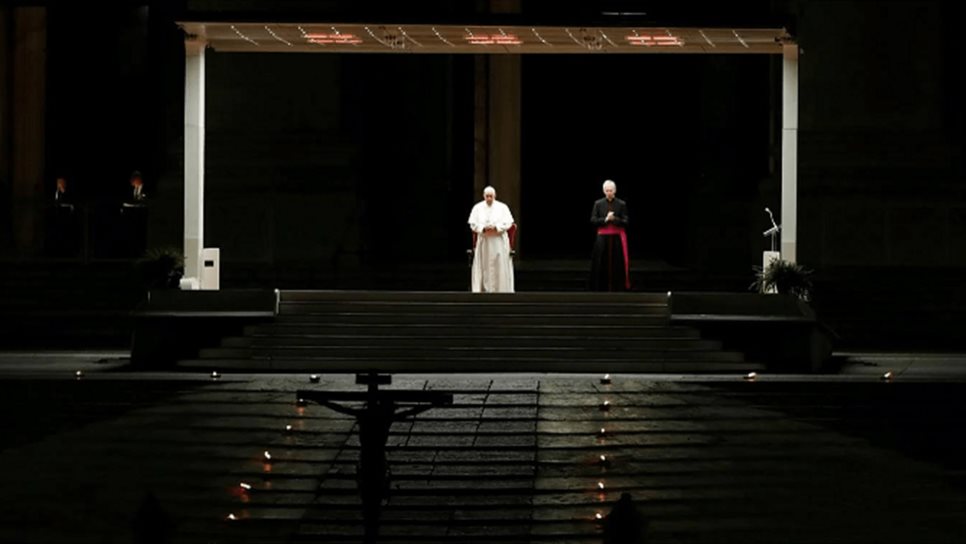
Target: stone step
[
  {"x": 590, "y": 330},
  {"x": 472, "y": 308},
  {"x": 419, "y": 365},
  {"x": 266, "y": 341},
  {"x": 464, "y": 353},
  {"x": 470, "y": 319},
  {"x": 356, "y": 329},
  {"x": 462, "y": 296}
]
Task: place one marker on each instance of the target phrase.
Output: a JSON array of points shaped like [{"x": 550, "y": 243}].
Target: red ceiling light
[
  {"x": 493, "y": 39},
  {"x": 648, "y": 41},
  {"x": 330, "y": 39}
]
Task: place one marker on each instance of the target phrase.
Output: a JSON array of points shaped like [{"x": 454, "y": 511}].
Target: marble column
[{"x": 26, "y": 139}]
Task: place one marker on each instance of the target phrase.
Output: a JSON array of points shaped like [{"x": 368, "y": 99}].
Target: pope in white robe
[{"x": 492, "y": 263}]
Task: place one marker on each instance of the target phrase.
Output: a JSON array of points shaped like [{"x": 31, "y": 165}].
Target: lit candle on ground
[
  {"x": 751, "y": 376},
  {"x": 605, "y": 380},
  {"x": 314, "y": 378}
]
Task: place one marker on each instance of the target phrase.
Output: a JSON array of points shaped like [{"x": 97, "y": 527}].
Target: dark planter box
[
  {"x": 779, "y": 331},
  {"x": 172, "y": 324}
]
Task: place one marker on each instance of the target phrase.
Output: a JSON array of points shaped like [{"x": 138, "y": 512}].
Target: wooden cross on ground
[{"x": 379, "y": 410}]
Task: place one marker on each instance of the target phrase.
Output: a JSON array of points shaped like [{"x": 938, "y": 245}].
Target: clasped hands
[
  {"x": 610, "y": 217},
  {"x": 490, "y": 231}
]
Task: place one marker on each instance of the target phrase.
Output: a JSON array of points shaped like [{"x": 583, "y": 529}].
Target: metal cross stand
[{"x": 375, "y": 418}]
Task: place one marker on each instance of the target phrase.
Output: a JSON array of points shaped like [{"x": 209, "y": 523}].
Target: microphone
[
  {"x": 774, "y": 227},
  {"x": 772, "y": 217}
]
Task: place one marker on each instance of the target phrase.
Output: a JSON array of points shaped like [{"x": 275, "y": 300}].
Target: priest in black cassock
[{"x": 609, "y": 270}]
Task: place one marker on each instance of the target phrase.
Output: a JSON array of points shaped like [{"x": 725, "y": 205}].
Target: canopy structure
[
  {"x": 512, "y": 39},
  {"x": 385, "y": 38}
]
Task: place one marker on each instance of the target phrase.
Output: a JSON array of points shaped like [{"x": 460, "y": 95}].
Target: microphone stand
[
  {"x": 773, "y": 231},
  {"x": 768, "y": 257}
]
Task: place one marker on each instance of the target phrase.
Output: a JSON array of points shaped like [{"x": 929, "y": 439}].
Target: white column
[
  {"x": 789, "y": 219},
  {"x": 194, "y": 157}
]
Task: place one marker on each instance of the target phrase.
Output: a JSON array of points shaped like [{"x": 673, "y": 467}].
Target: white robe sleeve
[
  {"x": 476, "y": 220},
  {"x": 504, "y": 218}
]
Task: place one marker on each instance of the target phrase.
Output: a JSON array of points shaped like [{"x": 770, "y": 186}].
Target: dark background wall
[
  {"x": 361, "y": 163},
  {"x": 684, "y": 137},
  {"x": 330, "y": 158},
  {"x": 881, "y": 134},
  {"x": 334, "y": 158}
]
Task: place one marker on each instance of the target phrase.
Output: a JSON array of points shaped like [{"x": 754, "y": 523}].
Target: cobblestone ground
[{"x": 122, "y": 457}]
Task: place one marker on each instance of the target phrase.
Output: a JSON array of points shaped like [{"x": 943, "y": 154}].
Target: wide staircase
[{"x": 351, "y": 331}]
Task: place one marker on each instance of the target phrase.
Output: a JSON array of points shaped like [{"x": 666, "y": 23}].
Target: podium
[
  {"x": 766, "y": 259},
  {"x": 133, "y": 222}
]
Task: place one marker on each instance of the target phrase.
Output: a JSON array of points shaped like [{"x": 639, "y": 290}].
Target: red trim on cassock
[{"x": 618, "y": 230}]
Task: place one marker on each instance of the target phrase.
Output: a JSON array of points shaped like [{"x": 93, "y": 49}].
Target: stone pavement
[{"x": 119, "y": 456}]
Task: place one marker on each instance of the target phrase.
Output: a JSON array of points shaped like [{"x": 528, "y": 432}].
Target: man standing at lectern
[
  {"x": 609, "y": 261},
  {"x": 492, "y": 264}
]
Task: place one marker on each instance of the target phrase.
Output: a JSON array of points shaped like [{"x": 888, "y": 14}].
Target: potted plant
[
  {"x": 161, "y": 268},
  {"x": 785, "y": 278}
]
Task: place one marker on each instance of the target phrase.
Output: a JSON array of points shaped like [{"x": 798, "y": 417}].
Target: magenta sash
[{"x": 617, "y": 230}]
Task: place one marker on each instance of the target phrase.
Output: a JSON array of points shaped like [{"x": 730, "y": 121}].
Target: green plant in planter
[
  {"x": 784, "y": 277},
  {"x": 161, "y": 268}
]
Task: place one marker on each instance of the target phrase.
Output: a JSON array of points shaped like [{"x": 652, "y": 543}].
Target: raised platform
[
  {"x": 394, "y": 331},
  {"x": 68, "y": 305},
  {"x": 543, "y": 275}
]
